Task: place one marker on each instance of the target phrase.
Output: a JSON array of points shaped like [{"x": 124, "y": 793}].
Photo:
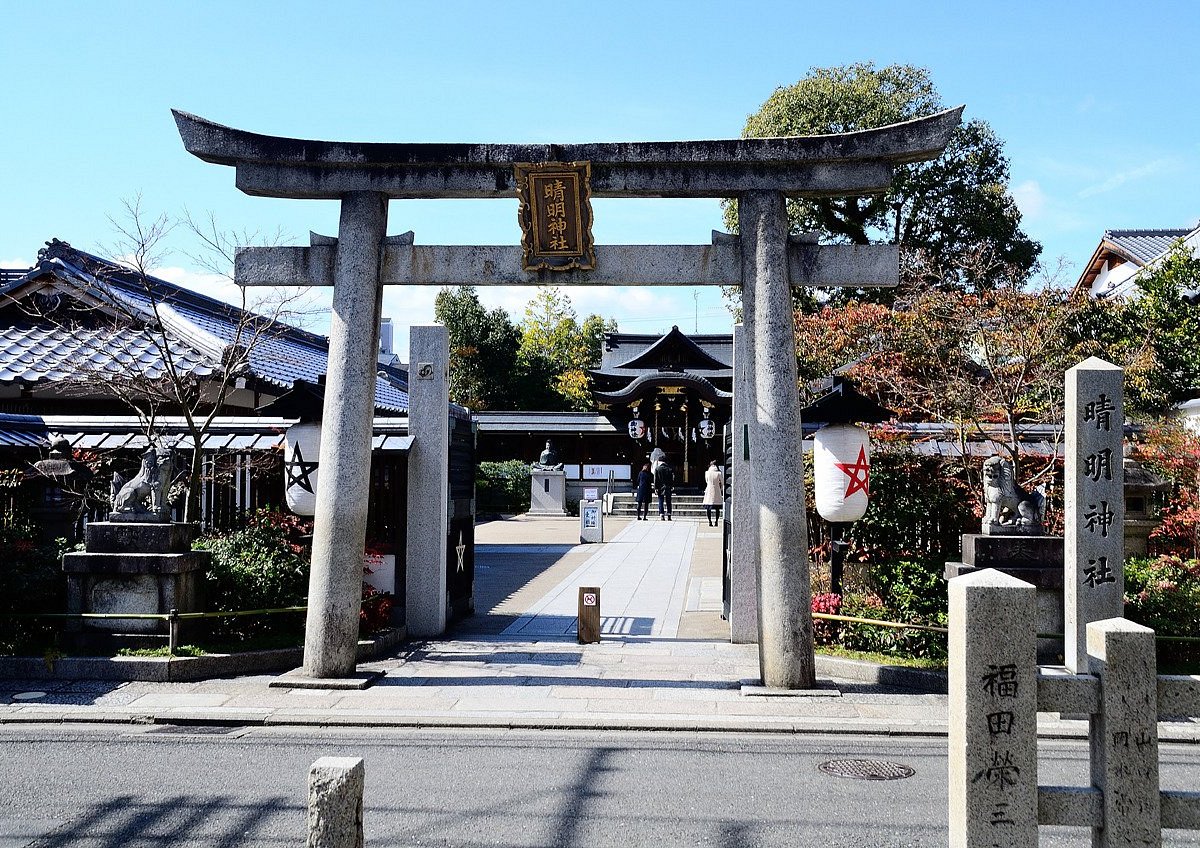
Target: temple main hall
[{"x": 672, "y": 392}]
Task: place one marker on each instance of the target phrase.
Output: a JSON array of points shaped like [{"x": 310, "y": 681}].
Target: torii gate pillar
[
  {"x": 776, "y": 448},
  {"x": 340, "y": 525}
]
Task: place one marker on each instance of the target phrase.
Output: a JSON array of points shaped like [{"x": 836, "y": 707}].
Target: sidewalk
[{"x": 517, "y": 664}]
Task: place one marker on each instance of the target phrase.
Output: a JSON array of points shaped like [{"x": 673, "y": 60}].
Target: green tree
[
  {"x": 556, "y": 350},
  {"x": 1152, "y": 334},
  {"x": 483, "y": 350},
  {"x": 949, "y": 213}
]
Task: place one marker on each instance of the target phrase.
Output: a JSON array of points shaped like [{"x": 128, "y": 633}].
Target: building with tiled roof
[
  {"x": 84, "y": 342},
  {"x": 1121, "y": 256},
  {"x": 1114, "y": 268},
  {"x": 75, "y": 322}
]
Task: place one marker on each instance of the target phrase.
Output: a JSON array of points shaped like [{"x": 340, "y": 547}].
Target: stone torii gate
[{"x": 763, "y": 260}]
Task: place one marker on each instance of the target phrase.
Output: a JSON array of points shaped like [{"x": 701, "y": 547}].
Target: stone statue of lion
[{"x": 1008, "y": 505}]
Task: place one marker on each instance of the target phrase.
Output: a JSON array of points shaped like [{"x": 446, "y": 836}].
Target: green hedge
[{"x": 502, "y": 487}]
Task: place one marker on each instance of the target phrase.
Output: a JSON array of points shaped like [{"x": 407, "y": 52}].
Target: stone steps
[{"x": 683, "y": 506}]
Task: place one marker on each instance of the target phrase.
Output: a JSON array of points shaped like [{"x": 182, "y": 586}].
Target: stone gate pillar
[
  {"x": 743, "y": 548},
  {"x": 428, "y": 479},
  {"x": 340, "y": 526},
  {"x": 785, "y": 645}
]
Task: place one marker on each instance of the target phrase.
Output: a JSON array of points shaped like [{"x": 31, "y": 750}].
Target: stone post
[
  {"x": 743, "y": 547},
  {"x": 340, "y": 526},
  {"x": 428, "y": 479},
  {"x": 993, "y": 712},
  {"x": 1124, "y": 734},
  {"x": 335, "y": 802},
  {"x": 1094, "y": 504},
  {"x": 785, "y": 615}
]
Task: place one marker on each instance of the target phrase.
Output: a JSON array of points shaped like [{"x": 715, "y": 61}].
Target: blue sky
[{"x": 1095, "y": 100}]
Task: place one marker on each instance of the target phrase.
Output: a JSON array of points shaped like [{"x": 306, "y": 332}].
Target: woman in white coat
[{"x": 714, "y": 493}]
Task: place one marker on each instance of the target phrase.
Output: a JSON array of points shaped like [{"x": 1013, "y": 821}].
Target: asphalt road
[{"x": 119, "y": 785}]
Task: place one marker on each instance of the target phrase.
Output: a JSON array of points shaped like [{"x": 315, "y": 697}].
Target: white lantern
[
  {"x": 637, "y": 429},
  {"x": 301, "y": 449},
  {"x": 708, "y": 428},
  {"x": 841, "y": 465}
]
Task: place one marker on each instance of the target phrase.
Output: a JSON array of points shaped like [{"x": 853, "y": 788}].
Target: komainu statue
[
  {"x": 144, "y": 498},
  {"x": 1009, "y": 507}
]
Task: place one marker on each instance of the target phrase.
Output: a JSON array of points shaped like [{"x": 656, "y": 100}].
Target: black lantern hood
[{"x": 844, "y": 404}]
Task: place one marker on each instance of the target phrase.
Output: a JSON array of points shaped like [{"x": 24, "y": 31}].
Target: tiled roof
[
  {"x": 622, "y": 348},
  {"x": 23, "y": 431},
  {"x": 127, "y": 432},
  {"x": 34, "y": 353},
  {"x": 1144, "y": 245},
  {"x": 202, "y": 327},
  {"x": 8, "y": 276}
]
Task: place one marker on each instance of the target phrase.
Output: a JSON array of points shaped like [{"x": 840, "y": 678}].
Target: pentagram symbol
[
  {"x": 297, "y": 471},
  {"x": 461, "y": 549},
  {"x": 857, "y": 473}
]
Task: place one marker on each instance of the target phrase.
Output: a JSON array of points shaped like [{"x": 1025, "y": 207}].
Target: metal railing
[{"x": 172, "y": 618}]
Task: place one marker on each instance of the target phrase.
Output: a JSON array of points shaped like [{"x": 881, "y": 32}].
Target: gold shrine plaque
[{"x": 556, "y": 216}]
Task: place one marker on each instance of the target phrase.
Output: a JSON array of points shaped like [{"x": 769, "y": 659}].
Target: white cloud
[
  {"x": 19, "y": 262},
  {"x": 1120, "y": 178},
  {"x": 1030, "y": 199}
]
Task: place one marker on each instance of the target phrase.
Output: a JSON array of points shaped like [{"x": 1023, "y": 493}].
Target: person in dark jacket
[
  {"x": 664, "y": 484},
  {"x": 645, "y": 488}
]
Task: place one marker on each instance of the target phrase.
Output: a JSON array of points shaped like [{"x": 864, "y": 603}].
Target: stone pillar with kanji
[{"x": 1094, "y": 503}]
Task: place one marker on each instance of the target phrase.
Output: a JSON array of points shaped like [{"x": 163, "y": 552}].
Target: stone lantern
[{"x": 1141, "y": 488}]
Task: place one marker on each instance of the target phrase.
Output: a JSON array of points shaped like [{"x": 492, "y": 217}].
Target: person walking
[
  {"x": 664, "y": 484},
  {"x": 714, "y": 493},
  {"x": 645, "y": 487}
]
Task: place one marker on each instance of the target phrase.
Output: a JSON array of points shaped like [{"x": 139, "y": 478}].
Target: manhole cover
[
  {"x": 867, "y": 769},
  {"x": 198, "y": 729}
]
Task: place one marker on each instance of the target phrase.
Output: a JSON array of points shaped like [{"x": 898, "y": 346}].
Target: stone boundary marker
[
  {"x": 335, "y": 802},
  {"x": 996, "y": 690}
]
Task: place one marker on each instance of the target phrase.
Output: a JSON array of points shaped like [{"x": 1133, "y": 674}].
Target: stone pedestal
[
  {"x": 1034, "y": 559},
  {"x": 133, "y": 568},
  {"x": 547, "y": 492}
]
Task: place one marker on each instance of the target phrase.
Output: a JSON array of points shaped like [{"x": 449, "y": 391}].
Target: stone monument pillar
[
  {"x": 743, "y": 549},
  {"x": 785, "y": 617},
  {"x": 993, "y": 712},
  {"x": 340, "y": 525},
  {"x": 428, "y": 479},
  {"x": 1094, "y": 508}
]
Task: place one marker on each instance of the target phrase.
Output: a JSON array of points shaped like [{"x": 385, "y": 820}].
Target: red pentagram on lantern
[{"x": 857, "y": 473}]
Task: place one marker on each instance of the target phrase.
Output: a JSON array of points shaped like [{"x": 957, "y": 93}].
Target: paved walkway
[
  {"x": 516, "y": 663},
  {"x": 643, "y": 578}
]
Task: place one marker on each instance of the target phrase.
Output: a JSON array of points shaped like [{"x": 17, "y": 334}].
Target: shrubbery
[
  {"x": 502, "y": 487},
  {"x": 31, "y": 580},
  {"x": 263, "y": 565},
  {"x": 1164, "y": 594}
]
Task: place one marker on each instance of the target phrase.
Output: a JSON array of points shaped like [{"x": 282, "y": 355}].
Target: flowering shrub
[
  {"x": 1164, "y": 593},
  {"x": 825, "y": 632},
  {"x": 375, "y": 613}
]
